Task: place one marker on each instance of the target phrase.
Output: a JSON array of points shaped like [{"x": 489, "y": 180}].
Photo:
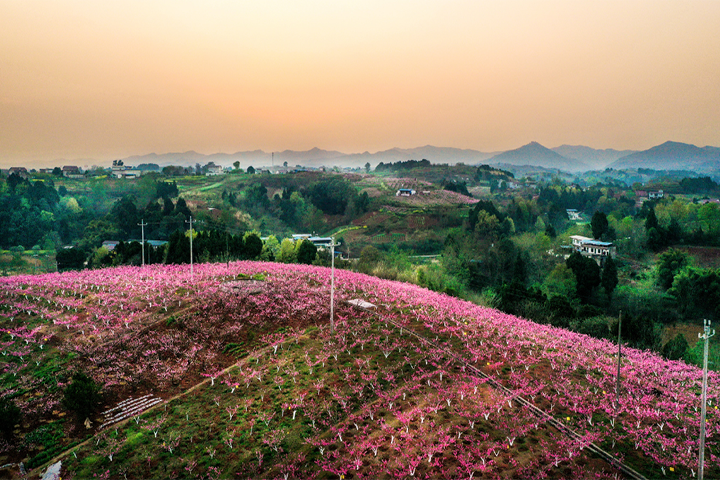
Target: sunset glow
[{"x": 104, "y": 80}]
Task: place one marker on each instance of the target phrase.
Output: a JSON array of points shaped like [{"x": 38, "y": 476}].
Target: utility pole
[
  {"x": 332, "y": 283},
  {"x": 142, "y": 225},
  {"x": 617, "y": 386},
  {"x": 191, "y": 236},
  {"x": 707, "y": 333}
]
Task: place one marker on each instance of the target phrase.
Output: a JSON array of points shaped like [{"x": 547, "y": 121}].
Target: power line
[
  {"x": 142, "y": 225},
  {"x": 191, "y": 239},
  {"x": 707, "y": 333}
]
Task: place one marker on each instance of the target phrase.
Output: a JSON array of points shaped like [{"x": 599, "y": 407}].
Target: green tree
[
  {"x": 251, "y": 170},
  {"x": 287, "y": 251},
  {"x": 599, "y": 224},
  {"x": 306, "y": 252},
  {"x": 236, "y": 164},
  {"x": 609, "y": 278},
  {"x": 369, "y": 258},
  {"x": 271, "y": 249},
  {"x": 560, "y": 282},
  {"x": 676, "y": 348},
  {"x": 367, "y": 167},
  {"x": 178, "y": 248},
  {"x": 82, "y": 396},
  {"x": 253, "y": 245},
  {"x": 124, "y": 214},
  {"x": 332, "y": 195},
  {"x": 697, "y": 292},
  {"x": 670, "y": 263},
  {"x": 182, "y": 208},
  {"x": 97, "y": 231},
  {"x": 70, "y": 259},
  {"x": 587, "y": 274},
  {"x": 651, "y": 220},
  {"x": 10, "y": 416}
]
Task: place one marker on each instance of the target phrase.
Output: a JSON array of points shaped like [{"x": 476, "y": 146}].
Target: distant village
[{"x": 120, "y": 170}]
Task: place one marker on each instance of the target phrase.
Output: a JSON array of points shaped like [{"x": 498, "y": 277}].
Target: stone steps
[{"x": 129, "y": 408}]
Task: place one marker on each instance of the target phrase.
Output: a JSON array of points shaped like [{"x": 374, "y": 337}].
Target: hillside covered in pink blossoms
[{"x": 250, "y": 380}]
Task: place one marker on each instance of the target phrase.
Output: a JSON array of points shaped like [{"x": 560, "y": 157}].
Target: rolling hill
[{"x": 249, "y": 379}]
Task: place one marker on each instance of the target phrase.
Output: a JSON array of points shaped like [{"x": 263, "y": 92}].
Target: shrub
[
  {"x": 9, "y": 417},
  {"x": 82, "y": 395},
  {"x": 676, "y": 348}
]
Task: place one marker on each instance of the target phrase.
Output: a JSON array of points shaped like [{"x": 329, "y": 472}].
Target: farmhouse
[
  {"x": 573, "y": 214},
  {"x": 320, "y": 242},
  {"x": 110, "y": 244},
  {"x": 71, "y": 171},
  {"x": 119, "y": 170},
  {"x": 595, "y": 249},
  {"x": 405, "y": 192},
  {"x": 656, "y": 195},
  {"x": 213, "y": 170}
]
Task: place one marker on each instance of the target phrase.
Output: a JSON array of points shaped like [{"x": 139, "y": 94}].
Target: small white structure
[
  {"x": 362, "y": 304},
  {"x": 72, "y": 171},
  {"x": 573, "y": 214},
  {"x": 53, "y": 471},
  {"x": 119, "y": 170},
  {"x": 656, "y": 195},
  {"x": 405, "y": 192},
  {"x": 595, "y": 249},
  {"x": 214, "y": 170}
]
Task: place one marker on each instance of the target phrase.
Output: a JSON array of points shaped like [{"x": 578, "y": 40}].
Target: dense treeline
[
  {"x": 300, "y": 206},
  {"x": 401, "y": 166},
  {"x": 28, "y": 211}
]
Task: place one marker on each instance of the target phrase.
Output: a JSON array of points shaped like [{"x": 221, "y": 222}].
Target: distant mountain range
[
  {"x": 569, "y": 158},
  {"x": 673, "y": 156},
  {"x": 536, "y": 155},
  {"x": 315, "y": 157},
  {"x": 597, "y": 159}
]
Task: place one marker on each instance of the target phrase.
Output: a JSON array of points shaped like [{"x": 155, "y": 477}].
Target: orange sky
[{"x": 108, "y": 79}]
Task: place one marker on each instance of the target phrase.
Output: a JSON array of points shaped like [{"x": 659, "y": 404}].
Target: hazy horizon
[{"x": 98, "y": 81}]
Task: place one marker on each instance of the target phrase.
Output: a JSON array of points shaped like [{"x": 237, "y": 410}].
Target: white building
[
  {"x": 214, "y": 170},
  {"x": 595, "y": 249},
  {"x": 573, "y": 214}
]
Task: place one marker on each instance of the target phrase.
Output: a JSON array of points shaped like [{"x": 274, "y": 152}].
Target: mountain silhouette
[
  {"x": 672, "y": 156},
  {"x": 534, "y": 154}
]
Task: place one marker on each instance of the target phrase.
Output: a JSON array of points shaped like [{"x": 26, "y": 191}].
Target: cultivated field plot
[{"x": 253, "y": 382}]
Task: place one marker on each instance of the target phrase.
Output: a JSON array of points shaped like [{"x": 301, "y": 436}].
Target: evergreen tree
[
  {"x": 599, "y": 224},
  {"x": 676, "y": 348},
  {"x": 253, "y": 245},
  {"x": 609, "y": 276},
  {"x": 82, "y": 396},
  {"x": 587, "y": 274},
  {"x": 306, "y": 252},
  {"x": 10, "y": 416},
  {"x": 670, "y": 263},
  {"x": 178, "y": 249}
]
